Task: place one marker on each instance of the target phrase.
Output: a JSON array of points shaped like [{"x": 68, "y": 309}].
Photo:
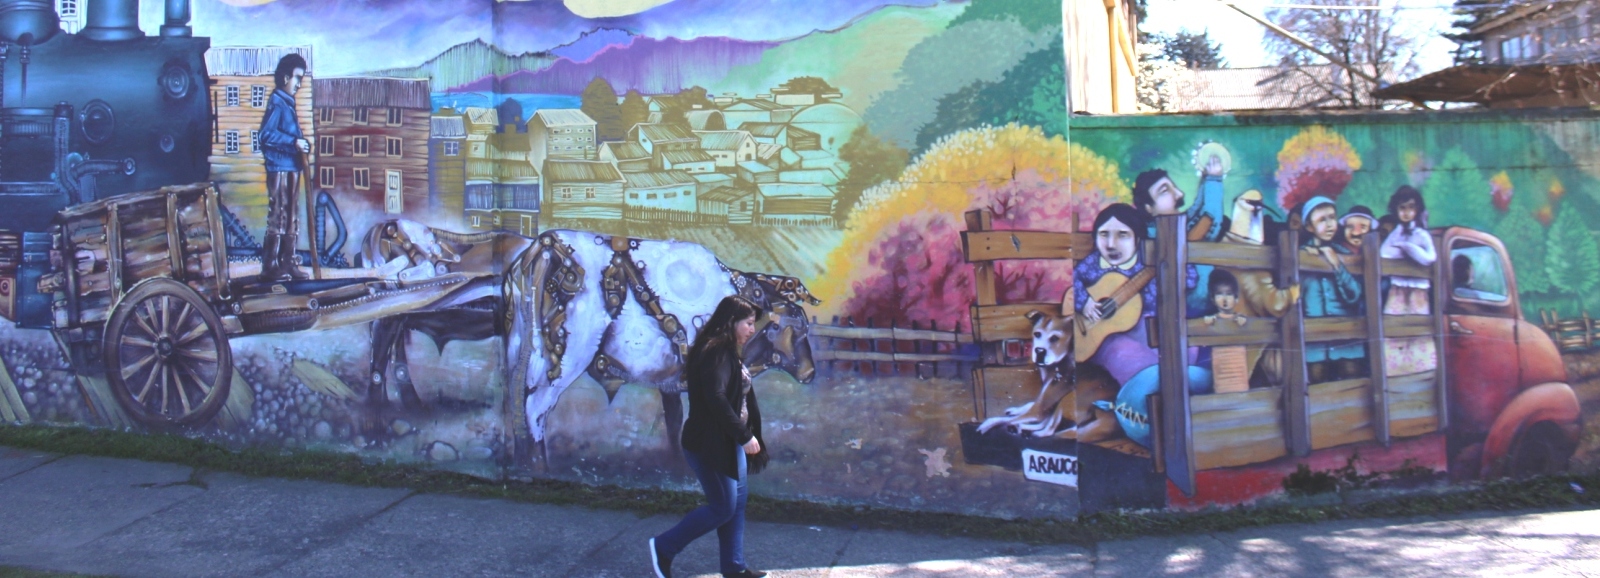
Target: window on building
[
  {"x": 392, "y": 146},
  {"x": 452, "y": 148},
  {"x": 634, "y": 196},
  {"x": 588, "y": 193},
  {"x": 744, "y": 205},
  {"x": 476, "y": 222},
  {"x": 672, "y": 195},
  {"x": 67, "y": 8},
  {"x": 325, "y": 176},
  {"x": 258, "y": 96},
  {"x": 361, "y": 115},
  {"x": 325, "y": 145},
  {"x": 394, "y": 117},
  {"x": 232, "y": 93},
  {"x": 687, "y": 194},
  {"x": 362, "y": 178},
  {"x": 650, "y": 197},
  {"x": 566, "y": 193},
  {"x": 359, "y": 146},
  {"x": 255, "y": 141},
  {"x": 230, "y": 142},
  {"x": 325, "y": 115}
]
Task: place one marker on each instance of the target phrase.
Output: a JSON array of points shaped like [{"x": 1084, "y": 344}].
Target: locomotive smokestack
[
  {"x": 112, "y": 20},
  {"x": 177, "y": 19}
]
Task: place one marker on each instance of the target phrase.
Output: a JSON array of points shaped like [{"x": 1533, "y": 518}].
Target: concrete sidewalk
[{"x": 129, "y": 518}]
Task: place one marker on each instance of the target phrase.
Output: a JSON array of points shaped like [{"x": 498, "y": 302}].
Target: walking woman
[{"x": 721, "y": 441}]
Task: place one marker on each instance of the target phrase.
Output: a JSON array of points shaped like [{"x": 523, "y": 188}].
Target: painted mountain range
[{"x": 877, "y": 42}]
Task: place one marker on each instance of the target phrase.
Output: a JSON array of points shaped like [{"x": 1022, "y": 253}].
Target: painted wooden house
[
  {"x": 447, "y": 162},
  {"x": 582, "y": 189},
  {"x": 728, "y": 147},
  {"x": 565, "y": 133},
  {"x": 372, "y": 140},
  {"x": 628, "y": 156},
  {"x": 661, "y": 191}
]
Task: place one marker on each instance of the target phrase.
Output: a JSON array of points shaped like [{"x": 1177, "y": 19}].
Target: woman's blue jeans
[{"x": 723, "y": 512}]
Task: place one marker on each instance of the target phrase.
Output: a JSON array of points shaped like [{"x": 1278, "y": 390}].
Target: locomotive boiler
[{"x": 101, "y": 113}]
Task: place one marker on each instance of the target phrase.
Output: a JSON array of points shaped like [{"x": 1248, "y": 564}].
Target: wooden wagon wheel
[{"x": 167, "y": 357}]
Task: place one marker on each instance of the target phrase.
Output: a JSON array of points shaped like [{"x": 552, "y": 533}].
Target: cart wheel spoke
[
  {"x": 178, "y": 384},
  {"x": 165, "y": 391},
  {"x": 199, "y": 331},
  {"x": 148, "y": 383},
  {"x": 182, "y": 318},
  {"x": 205, "y": 355},
  {"x": 147, "y": 318},
  {"x": 194, "y": 374},
  {"x": 166, "y": 314},
  {"x": 132, "y": 370},
  {"x": 131, "y": 341}
]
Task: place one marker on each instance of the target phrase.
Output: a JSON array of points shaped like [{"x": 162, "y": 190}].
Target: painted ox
[{"x": 573, "y": 303}]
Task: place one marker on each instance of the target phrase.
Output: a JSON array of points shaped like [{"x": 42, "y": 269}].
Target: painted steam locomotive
[{"x": 88, "y": 116}]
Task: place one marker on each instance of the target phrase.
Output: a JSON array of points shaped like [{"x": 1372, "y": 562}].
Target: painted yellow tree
[{"x": 901, "y": 256}]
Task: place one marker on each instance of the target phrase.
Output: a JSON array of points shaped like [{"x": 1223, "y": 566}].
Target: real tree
[{"x": 1372, "y": 41}]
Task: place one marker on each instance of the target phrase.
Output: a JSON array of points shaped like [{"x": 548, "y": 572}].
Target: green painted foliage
[
  {"x": 1035, "y": 14},
  {"x": 600, "y": 103},
  {"x": 1032, "y": 93},
  {"x": 1572, "y": 259},
  {"x": 872, "y": 161},
  {"x": 1524, "y": 238},
  {"x": 1457, "y": 193}
]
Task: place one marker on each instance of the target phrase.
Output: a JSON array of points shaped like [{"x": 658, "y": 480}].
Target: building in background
[
  {"x": 1539, "y": 54},
  {"x": 565, "y": 133},
  {"x": 447, "y": 162},
  {"x": 582, "y": 189},
  {"x": 372, "y": 140}
]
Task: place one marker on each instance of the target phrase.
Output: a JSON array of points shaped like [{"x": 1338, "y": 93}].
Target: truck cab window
[{"x": 1476, "y": 274}]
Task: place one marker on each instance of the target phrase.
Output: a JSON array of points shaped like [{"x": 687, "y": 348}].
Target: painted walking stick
[{"x": 311, "y": 216}]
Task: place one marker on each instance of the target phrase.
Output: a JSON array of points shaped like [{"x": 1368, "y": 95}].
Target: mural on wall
[
  {"x": 481, "y": 234},
  {"x": 1369, "y": 295}
]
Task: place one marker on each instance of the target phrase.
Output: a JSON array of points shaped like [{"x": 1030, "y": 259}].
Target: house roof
[
  {"x": 1554, "y": 84},
  {"x": 1511, "y": 16},
  {"x": 763, "y": 129},
  {"x": 700, "y": 119},
  {"x": 749, "y": 103},
  {"x": 657, "y": 179},
  {"x": 722, "y": 140},
  {"x": 689, "y": 156},
  {"x": 567, "y": 171},
  {"x": 626, "y": 151},
  {"x": 483, "y": 116},
  {"x": 725, "y": 194},
  {"x": 563, "y": 117},
  {"x": 794, "y": 191},
  {"x": 251, "y": 60},
  {"x": 504, "y": 171},
  {"x": 453, "y": 127},
  {"x": 816, "y": 176},
  {"x": 665, "y": 132},
  {"x": 367, "y": 91},
  {"x": 755, "y": 167},
  {"x": 704, "y": 178}
]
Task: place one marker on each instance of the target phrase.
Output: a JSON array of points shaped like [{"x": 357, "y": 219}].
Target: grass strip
[{"x": 1561, "y": 491}]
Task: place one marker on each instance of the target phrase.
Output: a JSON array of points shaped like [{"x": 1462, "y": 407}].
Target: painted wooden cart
[{"x": 141, "y": 289}]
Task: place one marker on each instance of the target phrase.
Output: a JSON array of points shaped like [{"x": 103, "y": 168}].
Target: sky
[
  {"x": 1241, "y": 37},
  {"x": 352, "y": 36}
]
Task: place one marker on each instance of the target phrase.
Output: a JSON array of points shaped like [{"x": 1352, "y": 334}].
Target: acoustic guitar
[{"x": 1119, "y": 293}]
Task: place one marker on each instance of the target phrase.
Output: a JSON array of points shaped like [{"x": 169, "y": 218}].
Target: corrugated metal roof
[
  {"x": 251, "y": 60},
  {"x": 818, "y": 176},
  {"x": 666, "y": 132},
  {"x": 563, "y": 117},
  {"x": 755, "y": 167},
  {"x": 627, "y": 151},
  {"x": 795, "y": 191},
  {"x": 360, "y": 91},
  {"x": 447, "y": 127},
  {"x": 704, "y": 178},
  {"x": 763, "y": 129},
  {"x": 682, "y": 157},
  {"x": 565, "y": 171},
  {"x": 725, "y": 194},
  {"x": 657, "y": 179},
  {"x": 766, "y": 105},
  {"x": 483, "y": 116},
  {"x": 700, "y": 119},
  {"x": 722, "y": 140}
]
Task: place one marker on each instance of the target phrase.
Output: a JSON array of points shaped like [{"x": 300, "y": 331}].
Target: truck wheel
[{"x": 1543, "y": 449}]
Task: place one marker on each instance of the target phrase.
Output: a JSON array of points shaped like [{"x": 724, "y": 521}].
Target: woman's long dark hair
[
  {"x": 1400, "y": 197},
  {"x": 718, "y": 331}
]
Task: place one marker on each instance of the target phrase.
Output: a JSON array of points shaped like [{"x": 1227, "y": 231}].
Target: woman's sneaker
[{"x": 659, "y": 562}]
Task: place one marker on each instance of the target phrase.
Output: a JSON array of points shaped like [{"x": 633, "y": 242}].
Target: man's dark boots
[
  {"x": 288, "y": 260},
  {"x": 271, "y": 268}
]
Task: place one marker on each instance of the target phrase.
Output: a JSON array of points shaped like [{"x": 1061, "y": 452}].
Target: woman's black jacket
[{"x": 713, "y": 431}]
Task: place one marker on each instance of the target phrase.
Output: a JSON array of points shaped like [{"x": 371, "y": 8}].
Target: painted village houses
[
  {"x": 447, "y": 162},
  {"x": 243, "y": 84},
  {"x": 372, "y": 140},
  {"x": 582, "y": 189},
  {"x": 565, "y": 133},
  {"x": 503, "y": 187}
]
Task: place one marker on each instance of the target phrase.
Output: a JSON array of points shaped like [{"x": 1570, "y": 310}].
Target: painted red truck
[{"x": 1507, "y": 407}]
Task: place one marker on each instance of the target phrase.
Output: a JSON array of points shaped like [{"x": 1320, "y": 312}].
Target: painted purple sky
[{"x": 351, "y": 36}]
